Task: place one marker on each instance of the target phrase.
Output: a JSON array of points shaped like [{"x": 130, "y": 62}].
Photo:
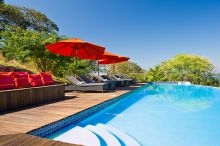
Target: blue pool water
[{"x": 165, "y": 115}]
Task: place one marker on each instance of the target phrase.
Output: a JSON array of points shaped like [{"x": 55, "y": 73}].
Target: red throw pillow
[
  {"x": 21, "y": 80},
  {"x": 6, "y": 80},
  {"x": 47, "y": 78},
  {"x": 35, "y": 80}
]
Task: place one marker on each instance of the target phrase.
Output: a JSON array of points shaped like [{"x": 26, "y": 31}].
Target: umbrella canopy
[
  {"x": 105, "y": 56},
  {"x": 112, "y": 61},
  {"x": 76, "y": 48}
]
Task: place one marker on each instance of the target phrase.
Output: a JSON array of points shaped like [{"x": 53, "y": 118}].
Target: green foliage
[
  {"x": 38, "y": 21},
  {"x": 130, "y": 69},
  {"x": 28, "y": 45},
  {"x": 23, "y": 34},
  {"x": 11, "y": 16},
  {"x": 24, "y": 45},
  {"x": 139, "y": 77},
  {"x": 124, "y": 68},
  {"x": 2, "y": 2},
  {"x": 25, "y": 18},
  {"x": 195, "y": 69},
  {"x": 67, "y": 66},
  {"x": 156, "y": 74},
  {"x": 82, "y": 67}
]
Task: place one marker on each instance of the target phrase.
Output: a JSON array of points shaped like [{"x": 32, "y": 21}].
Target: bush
[{"x": 192, "y": 68}]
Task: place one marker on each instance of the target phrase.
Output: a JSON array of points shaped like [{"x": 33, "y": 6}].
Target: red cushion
[
  {"x": 47, "y": 78},
  {"x": 35, "y": 80},
  {"x": 21, "y": 80},
  {"x": 6, "y": 80}
]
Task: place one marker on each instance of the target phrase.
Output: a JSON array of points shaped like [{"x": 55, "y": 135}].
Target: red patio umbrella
[
  {"x": 75, "y": 48},
  {"x": 106, "y": 56},
  {"x": 113, "y": 61}
]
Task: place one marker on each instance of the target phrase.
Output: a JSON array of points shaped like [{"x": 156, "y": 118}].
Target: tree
[
  {"x": 84, "y": 67},
  {"x": 124, "y": 68},
  {"x": 130, "y": 69},
  {"x": 23, "y": 34},
  {"x": 25, "y": 45},
  {"x": 196, "y": 69},
  {"x": 156, "y": 74},
  {"x": 28, "y": 46},
  {"x": 38, "y": 21},
  {"x": 25, "y": 18},
  {"x": 11, "y": 16}
]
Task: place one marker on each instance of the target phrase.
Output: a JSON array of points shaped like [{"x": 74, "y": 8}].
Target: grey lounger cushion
[
  {"x": 118, "y": 82},
  {"x": 126, "y": 81},
  {"x": 101, "y": 79},
  {"x": 82, "y": 86}
]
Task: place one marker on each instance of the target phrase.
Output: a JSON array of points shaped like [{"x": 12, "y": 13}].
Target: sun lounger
[
  {"x": 118, "y": 82},
  {"x": 88, "y": 80},
  {"x": 130, "y": 81},
  {"x": 77, "y": 85},
  {"x": 85, "y": 79},
  {"x": 126, "y": 77},
  {"x": 101, "y": 79},
  {"x": 126, "y": 82}
]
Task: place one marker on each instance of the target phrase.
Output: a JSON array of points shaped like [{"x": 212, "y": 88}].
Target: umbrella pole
[
  {"x": 76, "y": 67},
  {"x": 98, "y": 68},
  {"x": 113, "y": 68},
  {"x": 76, "y": 63}
]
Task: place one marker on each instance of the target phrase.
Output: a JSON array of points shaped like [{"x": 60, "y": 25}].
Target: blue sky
[{"x": 148, "y": 31}]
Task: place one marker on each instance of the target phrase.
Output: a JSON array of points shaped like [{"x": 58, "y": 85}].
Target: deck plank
[{"x": 22, "y": 139}]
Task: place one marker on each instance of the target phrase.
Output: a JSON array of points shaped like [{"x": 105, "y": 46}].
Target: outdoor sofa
[{"x": 20, "y": 90}]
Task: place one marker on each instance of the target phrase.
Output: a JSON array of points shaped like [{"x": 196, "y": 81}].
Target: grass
[
  {"x": 15, "y": 64},
  {"x": 27, "y": 66}
]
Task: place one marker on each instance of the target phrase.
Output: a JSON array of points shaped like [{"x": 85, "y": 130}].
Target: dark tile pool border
[{"x": 49, "y": 129}]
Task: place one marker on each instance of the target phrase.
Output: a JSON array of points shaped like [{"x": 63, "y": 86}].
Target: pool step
[
  {"x": 79, "y": 135},
  {"x": 127, "y": 140},
  {"x": 109, "y": 139},
  {"x": 98, "y": 135}
]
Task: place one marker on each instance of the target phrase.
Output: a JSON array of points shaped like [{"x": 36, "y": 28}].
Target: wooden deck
[
  {"x": 27, "y": 140},
  {"x": 29, "y": 119}
]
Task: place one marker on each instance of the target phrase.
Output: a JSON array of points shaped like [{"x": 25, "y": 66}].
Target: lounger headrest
[{"x": 73, "y": 80}]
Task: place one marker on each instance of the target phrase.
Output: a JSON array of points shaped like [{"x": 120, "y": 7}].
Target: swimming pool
[{"x": 158, "y": 115}]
